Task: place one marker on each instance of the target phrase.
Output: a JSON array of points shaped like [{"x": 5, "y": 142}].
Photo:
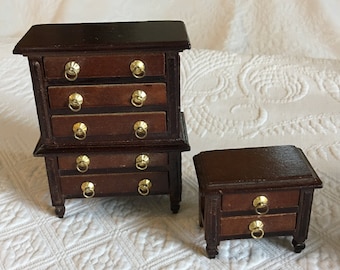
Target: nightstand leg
[
  {"x": 212, "y": 211},
  {"x": 60, "y": 211},
  {"x": 298, "y": 247},
  {"x": 302, "y": 226}
]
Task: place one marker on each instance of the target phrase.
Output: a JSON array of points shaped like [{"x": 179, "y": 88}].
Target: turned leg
[
  {"x": 60, "y": 211},
  {"x": 175, "y": 207},
  {"x": 298, "y": 247},
  {"x": 301, "y": 232},
  {"x": 211, "y": 251}
]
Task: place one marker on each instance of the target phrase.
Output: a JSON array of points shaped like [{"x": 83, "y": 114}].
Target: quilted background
[{"x": 258, "y": 74}]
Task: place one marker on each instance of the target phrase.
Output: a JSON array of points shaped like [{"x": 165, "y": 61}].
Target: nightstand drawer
[
  {"x": 115, "y": 184},
  {"x": 85, "y": 162},
  {"x": 76, "y": 98},
  {"x": 239, "y": 226},
  {"x": 133, "y": 125},
  {"x": 100, "y": 66},
  {"x": 266, "y": 200}
]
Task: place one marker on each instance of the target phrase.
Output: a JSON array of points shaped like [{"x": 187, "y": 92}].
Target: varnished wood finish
[
  {"x": 114, "y": 161},
  {"x": 104, "y": 52},
  {"x": 99, "y": 66},
  {"x": 244, "y": 201},
  {"x": 114, "y": 183},
  {"x": 230, "y": 180},
  {"x": 108, "y": 124},
  {"x": 107, "y": 96}
]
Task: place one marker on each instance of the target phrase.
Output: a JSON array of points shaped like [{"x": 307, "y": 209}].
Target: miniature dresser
[
  {"x": 108, "y": 104},
  {"x": 255, "y": 192}
]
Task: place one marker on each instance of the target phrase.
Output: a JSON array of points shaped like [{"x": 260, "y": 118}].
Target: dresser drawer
[
  {"x": 247, "y": 201},
  {"x": 83, "y": 162},
  {"x": 100, "y": 66},
  {"x": 239, "y": 225},
  {"x": 122, "y": 95},
  {"x": 115, "y": 184},
  {"x": 108, "y": 124}
]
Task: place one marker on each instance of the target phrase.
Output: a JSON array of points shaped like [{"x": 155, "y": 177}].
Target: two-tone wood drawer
[
  {"x": 260, "y": 202},
  {"x": 88, "y": 127},
  {"x": 86, "y": 162},
  {"x": 72, "y": 68},
  {"x": 257, "y": 213},
  {"x": 257, "y": 226},
  {"x": 98, "y": 185},
  {"x": 113, "y": 96}
]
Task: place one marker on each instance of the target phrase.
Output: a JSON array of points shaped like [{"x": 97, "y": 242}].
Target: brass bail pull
[
  {"x": 79, "y": 131},
  {"x": 75, "y": 101},
  {"x": 88, "y": 189},
  {"x": 142, "y": 162},
  {"x": 72, "y": 70},
  {"x": 141, "y": 129},
  {"x": 82, "y": 163},
  {"x": 144, "y": 187},
  {"x": 256, "y": 229},
  {"x": 137, "y": 68},
  {"x": 261, "y": 205}
]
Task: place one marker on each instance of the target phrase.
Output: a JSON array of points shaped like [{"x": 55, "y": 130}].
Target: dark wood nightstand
[
  {"x": 255, "y": 192},
  {"x": 108, "y": 103}
]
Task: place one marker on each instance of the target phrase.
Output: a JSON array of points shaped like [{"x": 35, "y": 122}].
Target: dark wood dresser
[
  {"x": 108, "y": 103},
  {"x": 255, "y": 193}
]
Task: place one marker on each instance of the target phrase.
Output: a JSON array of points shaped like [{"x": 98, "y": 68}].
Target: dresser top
[
  {"x": 252, "y": 168},
  {"x": 120, "y": 36}
]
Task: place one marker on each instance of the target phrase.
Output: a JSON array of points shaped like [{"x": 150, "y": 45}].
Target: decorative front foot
[
  {"x": 211, "y": 251},
  {"x": 60, "y": 211},
  {"x": 175, "y": 207},
  {"x": 298, "y": 247}
]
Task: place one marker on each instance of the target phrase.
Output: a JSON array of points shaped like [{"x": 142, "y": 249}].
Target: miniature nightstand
[
  {"x": 108, "y": 104},
  {"x": 253, "y": 193}
]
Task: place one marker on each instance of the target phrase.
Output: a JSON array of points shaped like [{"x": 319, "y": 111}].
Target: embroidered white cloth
[
  {"x": 229, "y": 101},
  {"x": 257, "y": 75}
]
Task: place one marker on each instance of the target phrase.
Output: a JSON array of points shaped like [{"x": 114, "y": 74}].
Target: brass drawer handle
[
  {"x": 72, "y": 70},
  {"x": 79, "y": 131},
  {"x": 141, "y": 129},
  {"x": 75, "y": 101},
  {"x": 137, "y": 69},
  {"x": 256, "y": 229},
  {"x": 144, "y": 187},
  {"x": 83, "y": 163},
  {"x": 138, "y": 98},
  {"x": 261, "y": 205},
  {"x": 142, "y": 162},
  {"x": 88, "y": 189}
]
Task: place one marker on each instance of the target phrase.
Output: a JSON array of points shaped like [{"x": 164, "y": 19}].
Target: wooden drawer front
[
  {"x": 108, "y": 124},
  {"x": 244, "y": 201},
  {"x": 115, "y": 184},
  {"x": 99, "y": 66},
  {"x": 107, "y": 95},
  {"x": 103, "y": 161},
  {"x": 232, "y": 226}
]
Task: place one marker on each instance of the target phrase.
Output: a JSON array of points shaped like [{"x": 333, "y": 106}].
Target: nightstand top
[
  {"x": 120, "y": 36},
  {"x": 251, "y": 168}
]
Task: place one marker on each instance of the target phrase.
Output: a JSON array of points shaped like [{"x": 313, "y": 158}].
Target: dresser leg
[
  {"x": 211, "y": 251},
  {"x": 60, "y": 211},
  {"x": 175, "y": 207},
  {"x": 298, "y": 247}
]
